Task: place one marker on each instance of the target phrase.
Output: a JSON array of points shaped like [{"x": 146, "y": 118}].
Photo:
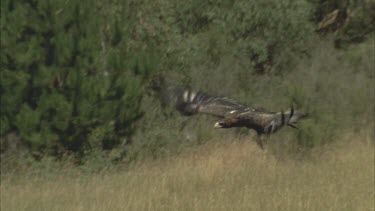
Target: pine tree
[{"x": 67, "y": 80}]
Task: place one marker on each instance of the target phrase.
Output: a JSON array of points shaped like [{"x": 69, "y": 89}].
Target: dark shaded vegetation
[{"x": 75, "y": 75}]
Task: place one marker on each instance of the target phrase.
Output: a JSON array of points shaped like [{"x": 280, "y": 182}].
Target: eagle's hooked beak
[{"x": 218, "y": 125}]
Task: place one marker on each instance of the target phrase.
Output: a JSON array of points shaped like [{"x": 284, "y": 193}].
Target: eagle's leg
[
  {"x": 184, "y": 124},
  {"x": 265, "y": 139},
  {"x": 259, "y": 141}
]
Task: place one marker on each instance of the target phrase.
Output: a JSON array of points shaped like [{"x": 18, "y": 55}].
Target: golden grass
[{"x": 217, "y": 176}]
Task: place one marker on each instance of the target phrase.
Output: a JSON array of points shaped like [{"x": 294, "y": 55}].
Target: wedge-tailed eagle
[{"x": 231, "y": 112}]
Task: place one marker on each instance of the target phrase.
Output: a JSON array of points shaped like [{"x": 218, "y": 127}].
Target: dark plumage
[{"x": 232, "y": 112}]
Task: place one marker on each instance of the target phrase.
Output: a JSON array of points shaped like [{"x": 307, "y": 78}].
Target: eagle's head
[
  {"x": 228, "y": 122},
  {"x": 222, "y": 124}
]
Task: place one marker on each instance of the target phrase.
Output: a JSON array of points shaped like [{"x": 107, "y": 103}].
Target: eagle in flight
[{"x": 231, "y": 112}]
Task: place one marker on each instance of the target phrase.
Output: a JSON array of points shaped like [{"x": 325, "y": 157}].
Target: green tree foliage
[
  {"x": 74, "y": 73},
  {"x": 68, "y": 79}
]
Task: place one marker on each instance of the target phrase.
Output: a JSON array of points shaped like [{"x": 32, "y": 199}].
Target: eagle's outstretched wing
[{"x": 188, "y": 102}]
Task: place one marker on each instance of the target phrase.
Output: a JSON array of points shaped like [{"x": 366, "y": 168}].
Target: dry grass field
[{"x": 215, "y": 176}]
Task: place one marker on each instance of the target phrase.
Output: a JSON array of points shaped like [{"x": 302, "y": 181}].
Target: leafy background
[{"x": 75, "y": 74}]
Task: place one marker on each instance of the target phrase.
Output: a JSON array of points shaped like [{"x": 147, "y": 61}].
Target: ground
[{"x": 232, "y": 175}]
